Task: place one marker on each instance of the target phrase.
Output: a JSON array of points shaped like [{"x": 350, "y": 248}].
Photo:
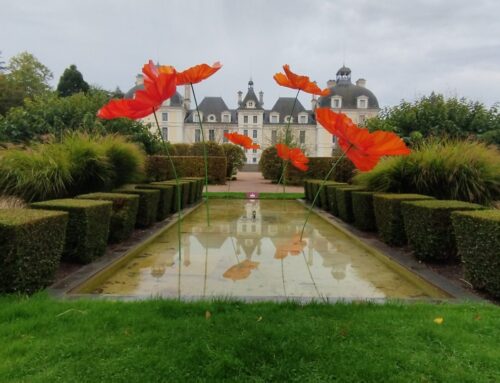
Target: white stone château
[{"x": 179, "y": 121}]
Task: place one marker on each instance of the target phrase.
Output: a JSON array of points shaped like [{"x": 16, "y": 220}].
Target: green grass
[
  {"x": 45, "y": 340},
  {"x": 241, "y": 195}
]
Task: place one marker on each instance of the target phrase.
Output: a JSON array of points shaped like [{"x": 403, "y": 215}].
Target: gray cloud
[{"x": 404, "y": 49}]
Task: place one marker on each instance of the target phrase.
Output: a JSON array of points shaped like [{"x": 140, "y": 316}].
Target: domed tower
[{"x": 355, "y": 100}]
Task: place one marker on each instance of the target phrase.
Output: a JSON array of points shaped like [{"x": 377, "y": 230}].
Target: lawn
[{"x": 48, "y": 340}]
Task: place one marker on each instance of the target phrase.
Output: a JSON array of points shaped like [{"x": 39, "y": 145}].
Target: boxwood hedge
[
  {"x": 158, "y": 168},
  {"x": 388, "y": 217},
  {"x": 344, "y": 202},
  {"x": 185, "y": 187},
  {"x": 429, "y": 230},
  {"x": 166, "y": 199},
  {"x": 200, "y": 184},
  {"x": 88, "y": 227},
  {"x": 362, "y": 210},
  {"x": 31, "y": 244},
  {"x": 332, "y": 198},
  {"x": 478, "y": 241},
  {"x": 323, "y": 199},
  {"x": 123, "y": 215},
  {"x": 149, "y": 200}
]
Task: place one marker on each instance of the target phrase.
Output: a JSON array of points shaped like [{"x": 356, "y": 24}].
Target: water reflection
[{"x": 252, "y": 248}]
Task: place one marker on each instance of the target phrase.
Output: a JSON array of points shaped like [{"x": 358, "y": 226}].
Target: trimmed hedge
[
  {"x": 88, "y": 227},
  {"x": 149, "y": 200},
  {"x": 166, "y": 199},
  {"x": 198, "y": 188},
  {"x": 123, "y": 215},
  {"x": 185, "y": 190},
  {"x": 344, "y": 202},
  {"x": 323, "y": 199},
  {"x": 429, "y": 230},
  {"x": 332, "y": 198},
  {"x": 478, "y": 241},
  {"x": 158, "y": 168},
  {"x": 31, "y": 245},
  {"x": 388, "y": 217},
  {"x": 362, "y": 210}
]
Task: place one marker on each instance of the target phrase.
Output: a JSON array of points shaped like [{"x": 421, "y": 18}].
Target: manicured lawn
[
  {"x": 45, "y": 340},
  {"x": 240, "y": 195}
]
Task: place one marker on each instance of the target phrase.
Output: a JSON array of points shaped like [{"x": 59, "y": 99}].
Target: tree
[
  {"x": 2, "y": 64},
  {"x": 11, "y": 94},
  {"x": 71, "y": 82},
  {"x": 29, "y": 74}
]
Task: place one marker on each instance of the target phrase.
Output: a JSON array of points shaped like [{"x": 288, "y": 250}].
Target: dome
[{"x": 175, "y": 100}]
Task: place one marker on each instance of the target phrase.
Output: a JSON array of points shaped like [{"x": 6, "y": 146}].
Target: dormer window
[
  {"x": 275, "y": 118},
  {"x": 362, "y": 102},
  {"x": 211, "y": 118},
  {"x": 288, "y": 119},
  {"x": 250, "y": 104},
  {"x": 303, "y": 119},
  {"x": 336, "y": 102},
  {"x": 226, "y": 117},
  {"x": 195, "y": 117}
]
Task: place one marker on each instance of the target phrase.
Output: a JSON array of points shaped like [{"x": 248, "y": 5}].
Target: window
[
  {"x": 195, "y": 117},
  {"x": 274, "y": 119},
  {"x": 336, "y": 102},
  {"x": 254, "y": 134},
  {"x": 245, "y": 119},
  {"x": 250, "y": 104},
  {"x": 362, "y": 103},
  {"x": 303, "y": 119},
  {"x": 334, "y": 141},
  {"x": 274, "y": 136},
  {"x": 197, "y": 135},
  {"x": 224, "y": 139},
  {"x": 302, "y": 137},
  {"x": 254, "y": 119},
  {"x": 164, "y": 116},
  {"x": 245, "y": 132},
  {"x": 211, "y": 118},
  {"x": 362, "y": 119},
  {"x": 288, "y": 119},
  {"x": 254, "y": 160},
  {"x": 254, "y": 151},
  {"x": 211, "y": 135},
  {"x": 226, "y": 118},
  {"x": 164, "y": 133}
]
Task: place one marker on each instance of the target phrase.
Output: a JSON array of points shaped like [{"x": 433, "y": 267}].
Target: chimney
[
  {"x": 139, "y": 79},
  {"x": 261, "y": 98},
  {"x": 314, "y": 102},
  {"x": 330, "y": 83},
  {"x": 240, "y": 93},
  {"x": 361, "y": 82},
  {"x": 187, "y": 96}
]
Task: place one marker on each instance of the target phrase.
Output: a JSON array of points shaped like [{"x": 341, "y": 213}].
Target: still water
[{"x": 252, "y": 249}]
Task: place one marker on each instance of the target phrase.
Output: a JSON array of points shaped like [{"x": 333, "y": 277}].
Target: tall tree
[
  {"x": 2, "y": 63},
  {"x": 71, "y": 82},
  {"x": 29, "y": 74}
]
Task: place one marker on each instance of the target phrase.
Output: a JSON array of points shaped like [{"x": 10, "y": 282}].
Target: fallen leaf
[
  {"x": 259, "y": 319},
  {"x": 439, "y": 320},
  {"x": 208, "y": 314}
]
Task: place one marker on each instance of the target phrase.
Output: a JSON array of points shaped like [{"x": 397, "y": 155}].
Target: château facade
[{"x": 179, "y": 121}]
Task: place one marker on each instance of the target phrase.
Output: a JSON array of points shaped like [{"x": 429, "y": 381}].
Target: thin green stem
[
  {"x": 204, "y": 153},
  {"x": 178, "y": 186},
  {"x": 321, "y": 188}
]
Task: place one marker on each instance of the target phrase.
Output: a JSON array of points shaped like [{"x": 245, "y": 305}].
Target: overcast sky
[{"x": 404, "y": 49}]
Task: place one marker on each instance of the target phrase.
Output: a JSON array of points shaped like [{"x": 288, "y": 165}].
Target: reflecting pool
[{"x": 252, "y": 249}]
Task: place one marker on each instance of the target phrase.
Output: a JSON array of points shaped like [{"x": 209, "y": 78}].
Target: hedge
[
  {"x": 88, "y": 227},
  {"x": 323, "y": 199},
  {"x": 158, "y": 168},
  {"x": 31, "y": 245},
  {"x": 332, "y": 198},
  {"x": 429, "y": 230},
  {"x": 344, "y": 203},
  {"x": 185, "y": 190},
  {"x": 200, "y": 184},
  {"x": 123, "y": 215},
  {"x": 149, "y": 200},
  {"x": 362, "y": 210},
  {"x": 166, "y": 199},
  {"x": 388, "y": 217},
  {"x": 478, "y": 241}
]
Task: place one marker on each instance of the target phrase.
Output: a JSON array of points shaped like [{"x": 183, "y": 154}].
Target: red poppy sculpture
[
  {"x": 242, "y": 140},
  {"x": 301, "y": 83},
  {"x": 296, "y": 157}
]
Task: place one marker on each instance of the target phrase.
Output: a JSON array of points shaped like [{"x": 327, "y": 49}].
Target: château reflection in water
[{"x": 252, "y": 248}]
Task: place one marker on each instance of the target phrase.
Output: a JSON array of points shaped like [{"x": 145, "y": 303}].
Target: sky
[{"x": 404, "y": 49}]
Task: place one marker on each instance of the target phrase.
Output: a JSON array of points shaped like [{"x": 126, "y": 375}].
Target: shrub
[
  {"x": 344, "y": 202},
  {"x": 185, "y": 191},
  {"x": 456, "y": 170},
  {"x": 362, "y": 210},
  {"x": 200, "y": 183},
  {"x": 123, "y": 215},
  {"x": 213, "y": 149},
  {"x": 88, "y": 227},
  {"x": 193, "y": 188},
  {"x": 388, "y": 216},
  {"x": 331, "y": 197},
  {"x": 235, "y": 157},
  {"x": 270, "y": 165},
  {"x": 159, "y": 169},
  {"x": 181, "y": 149},
  {"x": 478, "y": 241},
  {"x": 429, "y": 230},
  {"x": 323, "y": 199},
  {"x": 166, "y": 199},
  {"x": 148, "y": 205},
  {"x": 31, "y": 244}
]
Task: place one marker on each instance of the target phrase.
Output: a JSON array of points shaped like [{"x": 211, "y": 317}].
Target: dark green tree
[{"x": 71, "y": 82}]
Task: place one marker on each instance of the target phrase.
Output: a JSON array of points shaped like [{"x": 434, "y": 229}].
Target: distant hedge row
[
  {"x": 436, "y": 230},
  {"x": 33, "y": 241}
]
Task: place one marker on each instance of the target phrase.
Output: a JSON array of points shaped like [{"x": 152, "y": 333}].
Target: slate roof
[
  {"x": 284, "y": 106},
  {"x": 212, "y": 105},
  {"x": 250, "y": 96},
  {"x": 349, "y": 93}
]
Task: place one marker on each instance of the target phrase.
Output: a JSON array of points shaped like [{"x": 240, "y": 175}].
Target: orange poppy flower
[
  {"x": 293, "y": 247},
  {"x": 194, "y": 74},
  {"x": 242, "y": 140},
  {"x": 294, "y": 155},
  {"x": 363, "y": 148},
  {"x": 294, "y": 81},
  {"x": 158, "y": 87},
  {"x": 241, "y": 270}
]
